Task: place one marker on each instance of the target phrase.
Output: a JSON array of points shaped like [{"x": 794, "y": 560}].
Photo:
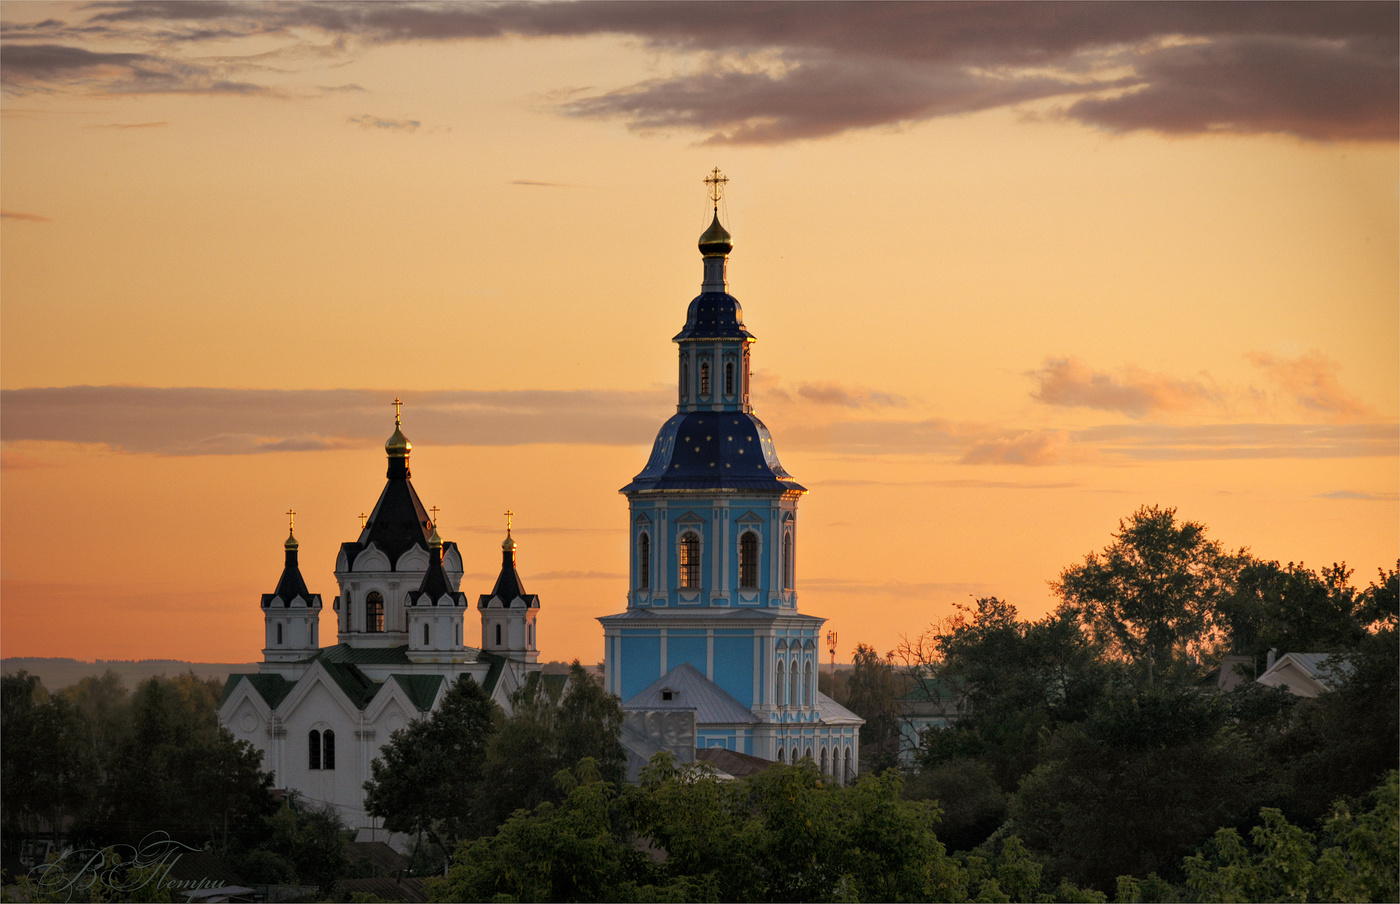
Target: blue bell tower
[{"x": 713, "y": 547}]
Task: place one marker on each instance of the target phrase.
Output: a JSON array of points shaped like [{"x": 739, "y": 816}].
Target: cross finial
[
  {"x": 397, "y": 405},
  {"x": 434, "y": 510},
  {"x": 716, "y": 181},
  {"x": 291, "y": 519},
  {"x": 364, "y": 520},
  {"x": 509, "y": 514}
]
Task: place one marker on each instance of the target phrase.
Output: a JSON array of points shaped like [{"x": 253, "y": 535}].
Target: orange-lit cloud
[
  {"x": 1310, "y": 381},
  {"x": 1359, "y": 496},
  {"x": 1034, "y": 447},
  {"x": 1069, "y": 382},
  {"x": 24, "y": 217},
  {"x": 756, "y": 73}
]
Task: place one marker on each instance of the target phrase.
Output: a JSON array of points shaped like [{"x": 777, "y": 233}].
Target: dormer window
[{"x": 667, "y": 695}]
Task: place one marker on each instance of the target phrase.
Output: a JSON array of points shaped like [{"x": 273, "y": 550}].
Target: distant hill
[{"x": 58, "y": 673}]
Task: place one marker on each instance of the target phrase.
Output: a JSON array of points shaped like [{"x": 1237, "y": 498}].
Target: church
[
  {"x": 712, "y": 625},
  {"x": 711, "y": 639},
  {"x": 321, "y": 714}
]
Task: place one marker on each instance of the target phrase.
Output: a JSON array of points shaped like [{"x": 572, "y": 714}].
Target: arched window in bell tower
[
  {"x": 685, "y": 378},
  {"x": 748, "y": 559},
  {"x": 729, "y": 378},
  {"x": 690, "y": 560},
  {"x": 704, "y": 379},
  {"x": 374, "y": 613},
  {"x": 644, "y": 562},
  {"x": 787, "y": 561}
]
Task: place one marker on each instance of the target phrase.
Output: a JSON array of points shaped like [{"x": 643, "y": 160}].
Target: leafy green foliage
[
  {"x": 307, "y": 838},
  {"x": 543, "y": 736},
  {"x": 871, "y": 692},
  {"x": 427, "y": 778},
  {"x": 1154, "y": 593}
]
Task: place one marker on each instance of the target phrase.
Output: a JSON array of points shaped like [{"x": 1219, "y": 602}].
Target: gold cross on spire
[
  {"x": 397, "y": 405},
  {"x": 435, "y": 510},
  {"x": 716, "y": 181},
  {"x": 509, "y": 514},
  {"x": 291, "y": 519},
  {"x": 364, "y": 520}
]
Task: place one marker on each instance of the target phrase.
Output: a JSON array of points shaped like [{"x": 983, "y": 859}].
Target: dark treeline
[{"x": 1090, "y": 756}]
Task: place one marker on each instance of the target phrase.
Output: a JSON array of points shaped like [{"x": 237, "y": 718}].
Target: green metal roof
[
  {"x": 498, "y": 665},
  {"x": 358, "y": 688},
  {"x": 343, "y": 652},
  {"x": 272, "y": 688},
  {"x": 421, "y": 689}
]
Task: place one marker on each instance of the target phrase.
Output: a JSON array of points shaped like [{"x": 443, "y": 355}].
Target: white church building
[{"x": 321, "y": 714}]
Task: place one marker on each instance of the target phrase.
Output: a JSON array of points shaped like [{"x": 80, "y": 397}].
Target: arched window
[
  {"x": 690, "y": 559},
  {"x": 644, "y": 562},
  {"x": 458, "y": 634},
  {"x": 498, "y": 635},
  {"x": 748, "y": 559},
  {"x": 780, "y": 754},
  {"x": 809, "y": 753},
  {"x": 778, "y": 686},
  {"x": 328, "y": 749},
  {"x": 825, "y": 770},
  {"x": 847, "y": 770},
  {"x": 729, "y": 378},
  {"x": 374, "y": 613},
  {"x": 530, "y": 634},
  {"x": 704, "y": 379},
  {"x": 787, "y": 561},
  {"x": 795, "y": 697},
  {"x": 685, "y": 377},
  {"x": 425, "y": 635},
  {"x": 810, "y": 689},
  {"x": 313, "y": 743},
  {"x": 279, "y": 633}
]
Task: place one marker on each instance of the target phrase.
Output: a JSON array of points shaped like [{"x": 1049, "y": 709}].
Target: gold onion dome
[
  {"x": 716, "y": 239},
  {"x": 291, "y": 541},
  {"x": 434, "y": 541},
  {"x": 509, "y": 543},
  {"x": 398, "y": 445}
]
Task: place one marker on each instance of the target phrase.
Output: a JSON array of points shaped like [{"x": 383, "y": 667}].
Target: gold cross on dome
[
  {"x": 716, "y": 181},
  {"x": 291, "y": 518},
  {"x": 434, "y": 510},
  {"x": 397, "y": 405},
  {"x": 509, "y": 514}
]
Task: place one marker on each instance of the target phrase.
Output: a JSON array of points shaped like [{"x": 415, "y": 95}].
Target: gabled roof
[
  {"x": 272, "y": 688},
  {"x": 732, "y": 762},
  {"x": 358, "y": 687},
  {"x": 1304, "y": 674},
  {"x": 493, "y": 676},
  {"x": 421, "y": 689},
  {"x": 691, "y": 690},
  {"x": 833, "y": 713}
]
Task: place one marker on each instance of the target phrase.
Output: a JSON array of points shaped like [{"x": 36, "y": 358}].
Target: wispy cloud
[
  {"x": 537, "y": 184},
  {"x": 1359, "y": 496},
  {"x": 28, "y": 68},
  {"x": 579, "y": 576},
  {"x": 1069, "y": 382},
  {"x": 1311, "y": 381},
  {"x": 1034, "y": 447},
  {"x": 378, "y": 122},
  {"x": 129, "y": 125},
  {"x": 26, "y": 217},
  {"x": 765, "y": 73},
  {"x": 197, "y": 421},
  {"x": 893, "y": 588}
]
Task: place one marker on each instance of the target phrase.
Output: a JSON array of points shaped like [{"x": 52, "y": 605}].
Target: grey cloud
[
  {"x": 1359, "y": 496},
  {"x": 1316, "y": 70},
  {"x": 1034, "y": 447},
  {"x": 533, "y": 183},
  {"x": 835, "y": 394},
  {"x": 963, "y": 483},
  {"x": 26, "y": 68},
  {"x": 129, "y": 125},
  {"x": 375, "y": 122},
  {"x": 579, "y": 576},
  {"x": 196, "y": 421},
  {"x": 1243, "y": 441},
  {"x": 25, "y": 217}
]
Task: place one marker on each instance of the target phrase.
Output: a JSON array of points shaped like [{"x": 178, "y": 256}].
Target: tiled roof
[
  {"x": 692, "y": 691},
  {"x": 421, "y": 689},
  {"x": 272, "y": 688}
]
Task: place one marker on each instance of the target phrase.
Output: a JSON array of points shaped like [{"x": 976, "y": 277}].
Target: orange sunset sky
[{"x": 1014, "y": 270}]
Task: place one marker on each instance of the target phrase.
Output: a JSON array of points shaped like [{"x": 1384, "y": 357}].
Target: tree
[
  {"x": 427, "y": 778},
  {"x": 545, "y": 734},
  {"x": 308, "y": 837},
  {"x": 177, "y": 771},
  {"x": 1154, "y": 593},
  {"x": 872, "y": 690},
  {"x": 1291, "y": 609},
  {"x": 104, "y": 705}
]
